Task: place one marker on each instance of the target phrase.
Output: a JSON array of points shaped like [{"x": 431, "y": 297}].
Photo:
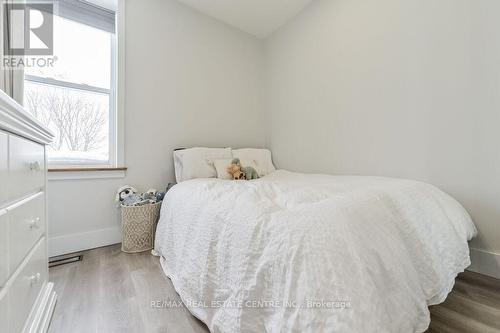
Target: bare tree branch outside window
[{"x": 77, "y": 121}]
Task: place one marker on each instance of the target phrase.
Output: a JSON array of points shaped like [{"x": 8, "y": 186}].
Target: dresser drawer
[
  {"x": 3, "y": 167},
  {"x": 26, "y": 226},
  {"x": 26, "y": 166},
  {"x": 26, "y": 287},
  {"x": 4, "y": 248}
]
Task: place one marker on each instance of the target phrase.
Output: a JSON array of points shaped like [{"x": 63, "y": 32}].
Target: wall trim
[
  {"x": 84, "y": 241},
  {"x": 120, "y": 72},
  {"x": 485, "y": 262},
  {"x": 75, "y": 175}
]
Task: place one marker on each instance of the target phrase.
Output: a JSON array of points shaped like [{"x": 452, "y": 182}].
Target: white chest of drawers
[{"x": 27, "y": 298}]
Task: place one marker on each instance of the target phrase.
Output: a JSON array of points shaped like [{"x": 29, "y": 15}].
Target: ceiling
[{"x": 257, "y": 17}]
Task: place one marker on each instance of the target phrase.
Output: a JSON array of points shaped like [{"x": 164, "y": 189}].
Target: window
[{"x": 76, "y": 98}]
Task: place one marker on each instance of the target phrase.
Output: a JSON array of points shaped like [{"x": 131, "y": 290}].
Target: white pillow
[
  {"x": 261, "y": 158},
  {"x": 222, "y": 165},
  {"x": 221, "y": 168},
  {"x": 198, "y": 162}
]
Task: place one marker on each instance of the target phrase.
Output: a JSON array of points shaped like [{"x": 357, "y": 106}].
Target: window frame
[{"x": 114, "y": 146}]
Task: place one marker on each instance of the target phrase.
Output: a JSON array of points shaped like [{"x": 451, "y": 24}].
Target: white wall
[
  {"x": 190, "y": 80},
  {"x": 397, "y": 88}
]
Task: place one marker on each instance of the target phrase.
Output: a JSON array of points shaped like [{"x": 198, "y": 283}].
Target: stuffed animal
[
  {"x": 235, "y": 170},
  {"x": 250, "y": 173},
  {"x": 238, "y": 172},
  {"x": 134, "y": 200},
  {"x": 160, "y": 195},
  {"x": 150, "y": 195},
  {"x": 151, "y": 192},
  {"x": 128, "y": 196},
  {"x": 124, "y": 192}
]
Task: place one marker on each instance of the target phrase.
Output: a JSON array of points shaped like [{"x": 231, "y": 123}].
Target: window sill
[
  {"x": 89, "y": 169},
  {"x": 56, "y": 174}
]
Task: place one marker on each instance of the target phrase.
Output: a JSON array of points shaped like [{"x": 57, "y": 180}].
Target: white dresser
[{"x": 27, "y": 298}]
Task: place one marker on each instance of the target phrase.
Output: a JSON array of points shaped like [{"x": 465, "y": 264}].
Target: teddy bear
[
  {"x": 239, "y": 173},
  {"x": 235, "y": 170}
]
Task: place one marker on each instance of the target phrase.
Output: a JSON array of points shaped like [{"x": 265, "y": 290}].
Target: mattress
[{"x": 295, "y": 252}]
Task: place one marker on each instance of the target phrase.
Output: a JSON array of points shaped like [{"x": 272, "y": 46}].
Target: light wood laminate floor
[{"x": 110, "y": 291}]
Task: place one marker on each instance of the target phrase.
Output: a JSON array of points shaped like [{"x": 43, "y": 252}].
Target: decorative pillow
[
  {"x": 222, "y": 165},
  {"x": 198, "y": 162},
  {"x": 261, "y": 158},
  {"x": 221, "y": 168}
]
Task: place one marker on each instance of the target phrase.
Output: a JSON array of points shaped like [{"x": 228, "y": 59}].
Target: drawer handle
[
  {"x": 35, "y": 166},
  {"x": 34, "y": 223},
  {"x": 35, "y": 278}
]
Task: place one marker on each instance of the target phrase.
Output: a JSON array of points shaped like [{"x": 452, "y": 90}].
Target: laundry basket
[{"x": 139, "y": 227}]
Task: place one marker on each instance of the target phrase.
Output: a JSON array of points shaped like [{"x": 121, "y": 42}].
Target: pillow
[
  {"x": 261, "y": 158},
  {"x": 221, "y": 168},
  {"x": 198, "y": 162},
  {"x": 222, "y": 165}
]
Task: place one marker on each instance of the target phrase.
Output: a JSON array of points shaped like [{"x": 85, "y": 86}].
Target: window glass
[
  {"x": 83, "y": 55},
  {"x": 79, "y": 119},
  {"x": 74, "y": 97}
]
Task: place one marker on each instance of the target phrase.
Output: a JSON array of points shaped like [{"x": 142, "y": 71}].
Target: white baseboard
[
  {"x": 83, "y": 241},
  {"x": 484, "y": 262}
]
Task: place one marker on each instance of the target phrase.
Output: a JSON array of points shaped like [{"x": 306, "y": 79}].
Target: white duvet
[{"x": 312, "y": 253}]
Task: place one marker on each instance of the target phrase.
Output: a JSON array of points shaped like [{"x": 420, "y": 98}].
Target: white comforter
[{"x": 312, "y": 253}]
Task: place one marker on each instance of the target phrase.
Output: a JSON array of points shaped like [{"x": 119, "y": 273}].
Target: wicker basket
[{"x": 139, "y": 227}]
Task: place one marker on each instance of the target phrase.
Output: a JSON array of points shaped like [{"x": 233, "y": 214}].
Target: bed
[{"x": 294, "y": 252}]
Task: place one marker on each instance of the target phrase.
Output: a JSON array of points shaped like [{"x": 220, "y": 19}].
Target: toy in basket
[{"x": 140, "y": 214}]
